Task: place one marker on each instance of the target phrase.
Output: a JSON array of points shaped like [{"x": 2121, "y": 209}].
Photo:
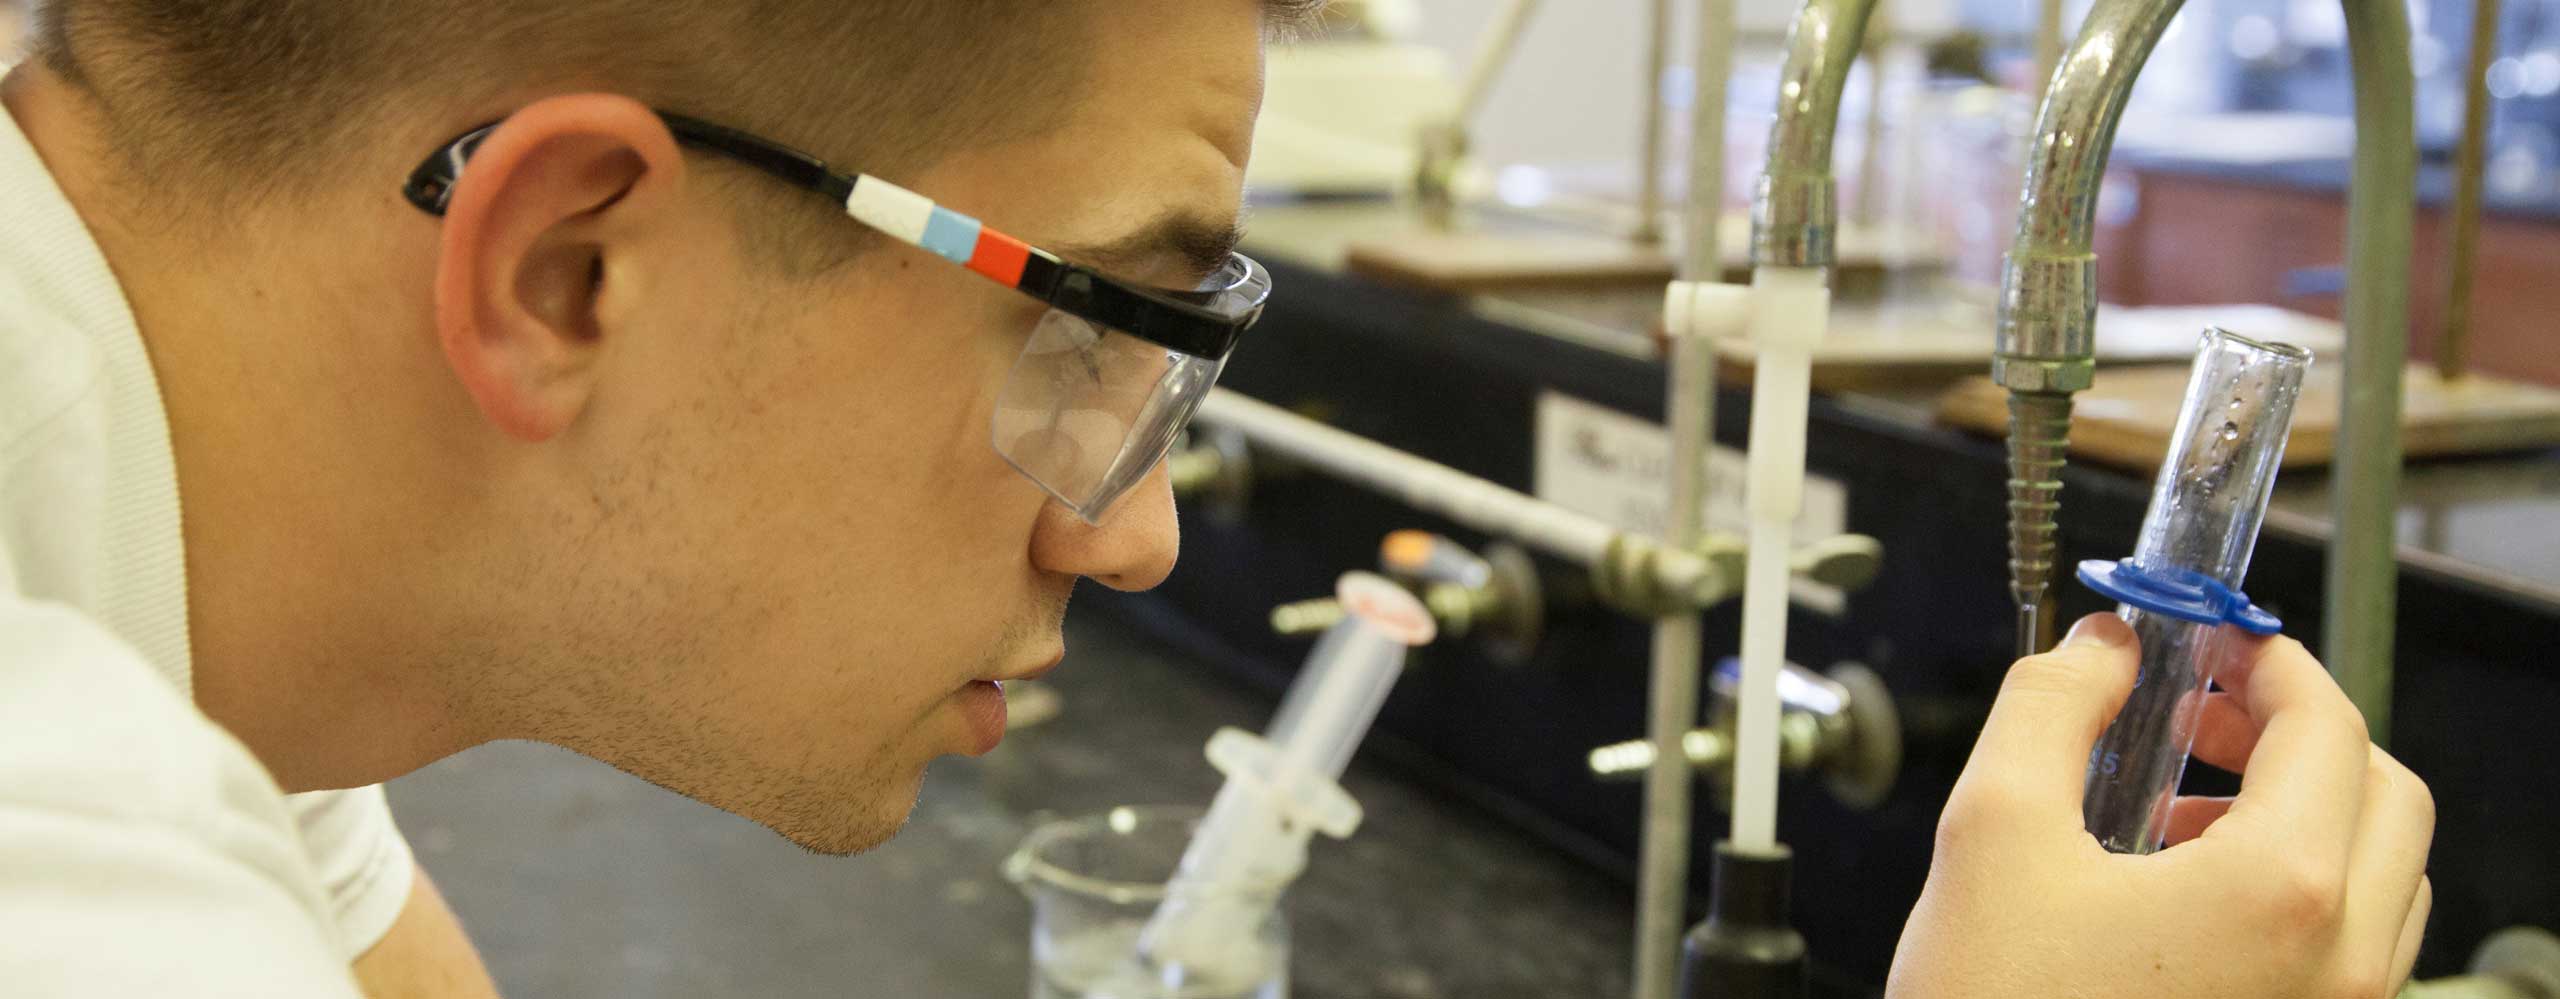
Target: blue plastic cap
[{"x": 2177, "y": 593}]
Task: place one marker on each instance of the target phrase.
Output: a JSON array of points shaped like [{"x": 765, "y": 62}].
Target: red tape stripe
[{"x": 999, "y": 256}]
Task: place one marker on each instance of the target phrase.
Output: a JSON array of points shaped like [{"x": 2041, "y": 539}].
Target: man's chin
[{"x": 870, "y": 817}]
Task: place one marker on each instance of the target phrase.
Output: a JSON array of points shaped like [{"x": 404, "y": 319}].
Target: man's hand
[{"x": 2310, "y": 883}]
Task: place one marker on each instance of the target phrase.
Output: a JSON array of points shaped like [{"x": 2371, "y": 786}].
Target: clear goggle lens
[{"x": 1088, "y": 411}]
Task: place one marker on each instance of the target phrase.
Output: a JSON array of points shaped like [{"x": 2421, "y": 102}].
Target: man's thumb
[{"x": 2034, "y": 748}]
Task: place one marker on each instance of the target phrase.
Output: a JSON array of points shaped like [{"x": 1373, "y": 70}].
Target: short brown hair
[{"x": 270, "y": 96}]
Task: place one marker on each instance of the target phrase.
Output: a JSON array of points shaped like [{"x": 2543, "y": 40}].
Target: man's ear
[{"x": 530, "y": 235}]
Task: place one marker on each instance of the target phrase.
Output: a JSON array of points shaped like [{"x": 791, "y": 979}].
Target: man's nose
[{"x": 1132, "y": 549}]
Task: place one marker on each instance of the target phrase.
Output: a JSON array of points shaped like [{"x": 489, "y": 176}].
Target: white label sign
[{"x": 1604, "y": 463}]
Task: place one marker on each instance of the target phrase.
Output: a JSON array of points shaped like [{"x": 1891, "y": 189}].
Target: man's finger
[
  {"x": 2390, "y": 855},
  {"x": 2190, "y": 814},
  {"x": 2413, "y": 932},
  {"x": 2035, "y": 745},
  {"x": 2225, "y": 734},
  {"x": 2305, "y": 778}
]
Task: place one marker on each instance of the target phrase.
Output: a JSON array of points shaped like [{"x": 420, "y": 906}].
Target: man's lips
[{"x": 982, "y": 703}]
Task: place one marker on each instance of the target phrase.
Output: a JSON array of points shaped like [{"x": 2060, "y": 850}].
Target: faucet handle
[
  {"x": 1842, "y": 561},
  {"x": 1306, "y": 617},
  {"x": 1495, "y": 598},
  {"x": 1708, "y": 750},
  {"x": 1799, "y": 689},
  {"x": 1843, "y": 726}
]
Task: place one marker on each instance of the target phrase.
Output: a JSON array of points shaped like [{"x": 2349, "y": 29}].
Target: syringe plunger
[{"x": 1282, "y": 787}]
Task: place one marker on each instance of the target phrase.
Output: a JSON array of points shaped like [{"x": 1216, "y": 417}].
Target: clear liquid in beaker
[
  {"x": 1094, "y": 882},
  {"x": 1102, "y": 962}
]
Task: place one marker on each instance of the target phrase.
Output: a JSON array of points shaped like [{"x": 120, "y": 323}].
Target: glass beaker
[{"x": 1094, "y": 881}]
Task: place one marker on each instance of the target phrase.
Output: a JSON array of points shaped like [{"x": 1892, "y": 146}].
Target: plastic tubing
[
  {"x": 1786, "y": 324},
  {"x": 2204, "y": 517},
  {"x": 1793, "y": 219}
]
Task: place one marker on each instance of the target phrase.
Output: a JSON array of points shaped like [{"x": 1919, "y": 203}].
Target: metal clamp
[
  {"x": 1844, "y": 562},
  {"x": 1442, "y": 151},
  {"x": 1495, "y": 599},
  {"x": 1843, "y": 726},
  {"x": 1630, "y": 576}
]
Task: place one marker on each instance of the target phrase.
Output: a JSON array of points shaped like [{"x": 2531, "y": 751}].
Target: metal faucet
[
  {"x": 2046, "y": 347},
  {"x": 1794, "y": 214}
]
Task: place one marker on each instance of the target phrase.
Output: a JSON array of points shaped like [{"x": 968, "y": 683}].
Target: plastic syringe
[{"x": 1285, "y": 785}]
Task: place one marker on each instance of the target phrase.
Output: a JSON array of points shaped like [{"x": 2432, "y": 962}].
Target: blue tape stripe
[{"x": 952, "y": 235}]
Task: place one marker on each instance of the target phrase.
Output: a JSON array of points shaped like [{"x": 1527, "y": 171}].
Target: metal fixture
[
  {"x": 1444, "y": 141},
  {"x": 1876, "y": 40},
  {"x": 2048, "y": 307},
  {"x": 1649, "y": 156},
  {"x": 1842, "y": 726},
  {"x": 1497, "y": 599},
  {"x": 2363, "y": 584},
  {"x": 1214, "y": 467},
  {"x": 1630, "y": 566},
  {"x": 1494, "y": 599},
  {"x": 2519, "y": 962},
  {"x": 1843, "y": 561},
  {"x": 1702, "y": 210},
  {"x": 2470, "y": 154},
  {"x": 1794, "y": 219},
  {"x": 1662, "y": 883},
  {"x": 1301, "y": 618},
  {"x": 2048, "y": 298},
  {"x": 2048, "y": 42}
]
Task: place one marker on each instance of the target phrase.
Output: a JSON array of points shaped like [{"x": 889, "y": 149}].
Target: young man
[{"x": 382, "y": 378}]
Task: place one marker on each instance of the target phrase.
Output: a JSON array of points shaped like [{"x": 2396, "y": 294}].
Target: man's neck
[{"x": 298, "y": 642}]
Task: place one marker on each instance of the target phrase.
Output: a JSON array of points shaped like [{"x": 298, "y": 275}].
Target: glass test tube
[{"x": 2204, "y": 517}]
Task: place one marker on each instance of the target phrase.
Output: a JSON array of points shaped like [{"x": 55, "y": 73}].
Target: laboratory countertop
[
  {"x": 576, "y": 880},
  {"x": 2484, "y": 521},
  {"x": 2328, "y": 175}
]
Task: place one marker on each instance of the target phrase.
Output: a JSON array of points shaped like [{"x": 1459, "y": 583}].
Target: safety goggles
[{"x": 1112, "y": 371}]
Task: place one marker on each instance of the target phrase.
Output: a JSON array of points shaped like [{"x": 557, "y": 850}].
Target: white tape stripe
[{"x": 889, "y": 208}]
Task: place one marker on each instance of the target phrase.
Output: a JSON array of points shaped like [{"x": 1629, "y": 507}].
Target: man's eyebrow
[{"x": 1199, "y": 244}]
